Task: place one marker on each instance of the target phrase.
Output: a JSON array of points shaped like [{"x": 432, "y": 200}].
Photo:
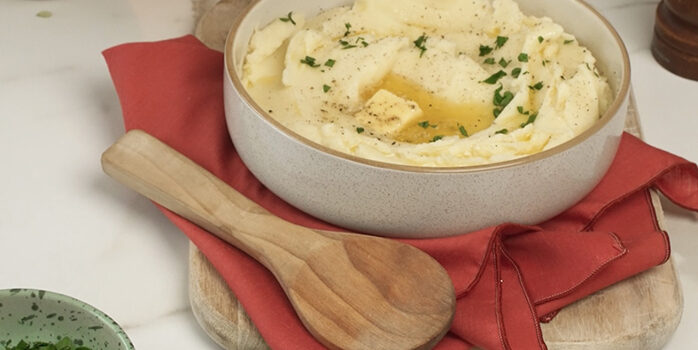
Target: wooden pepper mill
[{"x": 675, "y": 43}]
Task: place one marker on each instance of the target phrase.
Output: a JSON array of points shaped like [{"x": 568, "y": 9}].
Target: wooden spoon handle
[{"x": 165, "y": 176}]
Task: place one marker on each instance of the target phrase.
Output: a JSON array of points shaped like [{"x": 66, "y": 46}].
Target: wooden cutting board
[{"x": 640, "y": 313}]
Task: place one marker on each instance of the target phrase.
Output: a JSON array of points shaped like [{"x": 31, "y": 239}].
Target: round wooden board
[{"x": 640, "y": 313}]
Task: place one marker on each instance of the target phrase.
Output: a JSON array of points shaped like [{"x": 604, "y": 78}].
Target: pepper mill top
[{"x": 675, "y": 43}]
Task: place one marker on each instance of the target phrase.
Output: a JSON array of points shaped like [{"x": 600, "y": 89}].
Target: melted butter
[{"x": 445, "y": 117}]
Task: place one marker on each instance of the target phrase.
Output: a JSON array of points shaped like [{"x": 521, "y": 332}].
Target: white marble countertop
[{"x": 67, "y": 227}]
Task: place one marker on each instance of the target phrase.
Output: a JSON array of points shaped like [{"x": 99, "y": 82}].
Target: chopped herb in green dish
[
  {"x": 64, "y": 344},
  {"x": 288, "y": 18}
]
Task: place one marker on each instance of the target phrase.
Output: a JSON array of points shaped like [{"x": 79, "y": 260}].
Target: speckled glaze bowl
[
  {"x": 420, "y": 202},
  {"x": 36, "y": 315}
]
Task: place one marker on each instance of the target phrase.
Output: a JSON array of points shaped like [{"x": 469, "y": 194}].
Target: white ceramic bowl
[{"x": 419, "y": 202}]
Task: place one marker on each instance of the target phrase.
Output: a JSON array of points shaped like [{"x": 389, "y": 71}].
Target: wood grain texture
[
  {"x": 215, "y": 19},
  {"x": 640, "y": 313},
  {"x": 351, "y": 291},
  {"x": 675, "y": 42}
]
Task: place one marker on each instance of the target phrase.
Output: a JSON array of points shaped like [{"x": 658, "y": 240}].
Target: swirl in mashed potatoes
[{"x": 426, "y": 82}]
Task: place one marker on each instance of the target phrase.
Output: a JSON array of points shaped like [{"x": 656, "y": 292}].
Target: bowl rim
[
  {"x": 107, "y": 320},
  {"x": 614, "y": 108}
]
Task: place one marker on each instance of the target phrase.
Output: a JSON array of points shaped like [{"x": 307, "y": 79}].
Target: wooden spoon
[{"x": 351, "y": 291}]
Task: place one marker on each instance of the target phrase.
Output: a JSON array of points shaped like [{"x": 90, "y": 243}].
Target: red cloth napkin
[{"x": 507, "y": 278}]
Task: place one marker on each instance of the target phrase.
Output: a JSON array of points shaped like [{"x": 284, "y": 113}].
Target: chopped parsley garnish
[
  {"x": 567, "y": 42},
  {"x": 503, "y": 132},
  {"x": 521, "y": 110},
  {"x": 502, "y": 100},
  {"x": 64, "y": 344},
  {"x": 420, "y": 43},
  {"x": 437, "y": 138},
  {"x": 531, "y": 119},
  {"x": 326, "y": 88},
  {"x": 346, "y": 45},
  {"x": 462, "y": 130},
  {"x": 425, "y": 124},
  {"x": 504, "y": 63},
  {"x": 501, "y": 40},
  {"x": 490, "y": 60},
  {"x": 348, "y": 26},
  {"x": 538, "y": 86},
  {"x": 359, "y": 130},
  {"x": 494, "y": 78},
  {"x": 540, "y": 39},
  {"x": 26, "y": 318},
  {"x": 592, "y": 70},
  {"x": 288, "y": 18},
  {"x": 515, "y": 72},
  {"x": 330, "y": 63},
  {"x": 362, "y": 40},
  {"x": 523, "y": 57},
  {"x": 545, "y": 62},
  {"x": 310, "y": 61},
  {"x": 485, "y": 50}
]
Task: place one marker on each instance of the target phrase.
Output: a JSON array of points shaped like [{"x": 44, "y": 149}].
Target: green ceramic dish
[{"x": 36, "y": 315}]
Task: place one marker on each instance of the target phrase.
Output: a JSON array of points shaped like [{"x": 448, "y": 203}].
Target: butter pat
[{"x": 387, "y": 114}]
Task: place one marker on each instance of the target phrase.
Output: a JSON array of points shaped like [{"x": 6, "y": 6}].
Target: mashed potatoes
[{"x": 426, "y": 82}]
